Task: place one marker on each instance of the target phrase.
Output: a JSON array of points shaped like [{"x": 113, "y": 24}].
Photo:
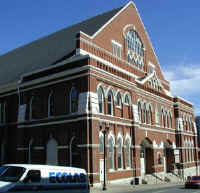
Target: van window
[
  {"x": 33, "y": 176},
  {"x": 11, "y": 173}
]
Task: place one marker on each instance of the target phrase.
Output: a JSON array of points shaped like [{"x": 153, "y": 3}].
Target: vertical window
[
  {"x": 30, "y": 108},
  {"x": 110, "y": 103},
  {"x": 116, "y": 49},
  {"x": 119, "y": 100},
  {"x": 101, "y": 143},
  {"x": 145, "y": 113},
  {"x": 74, "y": 100},
  {"x": 127, "y": 101},
  {"x": 100, "y": 100},
  {"x": 170, "y": 120},
  {"x": 111, "y": 153},
  {"x": 119, "y": 152},
  {"x": 150, "y": 115},
  {"x": 157, "y": 115},
  {"x": 2, "y": 113},
  {"x": 128, "y": 156},
  {"x": 50, "y": 105},
  {"x": 140, "y": 112}
]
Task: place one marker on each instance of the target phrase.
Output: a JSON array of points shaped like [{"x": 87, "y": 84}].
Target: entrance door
[{"x": 101, "y": 170}]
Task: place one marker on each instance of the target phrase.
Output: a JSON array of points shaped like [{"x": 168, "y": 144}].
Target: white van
[{"x": 42, "y": 178}]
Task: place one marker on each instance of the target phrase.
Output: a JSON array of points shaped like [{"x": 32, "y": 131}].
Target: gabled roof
[{"x": 48, "y": 50}]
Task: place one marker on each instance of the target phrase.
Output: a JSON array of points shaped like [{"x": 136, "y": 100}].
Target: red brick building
[{"x": 59, "y": 94}]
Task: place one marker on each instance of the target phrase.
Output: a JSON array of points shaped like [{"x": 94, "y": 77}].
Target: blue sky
[{"x": 173, "y": 27}]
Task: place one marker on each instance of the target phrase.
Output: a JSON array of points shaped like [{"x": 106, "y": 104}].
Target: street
[{"x": 162, "y": 188}]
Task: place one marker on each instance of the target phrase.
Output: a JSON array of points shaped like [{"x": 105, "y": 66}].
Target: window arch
[
  {"x": 101, "y": 142},
  {"x": 110, "y": 103},
  {"x": 134, "y": 43},
  {"x": 73, "y": 100},
  {"x": 119, "y": 152},
  {"x": 127, "y": 152},
  {"x": 135, "y": 49},
  {"x": 100, "y": 100},
  {"x": 111, "y": 152},
  {"x": 119, "y": 100},
  {"x": 50, "y": 104}
]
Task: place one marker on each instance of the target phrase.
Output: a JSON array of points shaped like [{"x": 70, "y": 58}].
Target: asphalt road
[{"x": 146, "y": 189}]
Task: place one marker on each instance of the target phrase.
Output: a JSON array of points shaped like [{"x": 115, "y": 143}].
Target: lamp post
[{"x": 104, "y": 152}]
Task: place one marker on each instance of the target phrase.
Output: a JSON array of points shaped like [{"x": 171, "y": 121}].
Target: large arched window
[
  {"x": 35, "y": 107},
  {"x": 50, "y": 105},
  {"x": 128, "y": 156},
  {"x": 119, "y": 152},
  {"x": 101, "y": 100},
  {"x": 74, "y": 100},
  {"x": 111, "y": 152},
  {"x": 135, "y": 53},
  {"x": 110, "y": 103}
]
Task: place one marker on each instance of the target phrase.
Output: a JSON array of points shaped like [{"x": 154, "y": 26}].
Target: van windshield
[{"x": 11, "y": 173}]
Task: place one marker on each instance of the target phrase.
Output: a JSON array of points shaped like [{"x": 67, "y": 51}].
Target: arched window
[
  {"x": 140, "y": 111},
  {"x": 100, "y": 100},
  {"x": 170, "y": 120},
  {"x": 157, "y": 118},
  {"x": 128, "y": 155},
  {"x": 119, "y": 153},
  {"x": 50, "y": 104},
  {"x": 163, "y": 118},
  {"x": 111, "y": 152},
  {"x": 134, "y": 43},
  {"x": 74, "y": 100},
  {"x": 145, "y": 113},
  {"x": 166, "y": 119},
  {"x": 127, "y": 101},
  {"x": 52, "y": 152},
  {"x": 150, "y": 114},
  {"x": 30, "y": 144},
  {"x": 110, "y": 103},
  {"x": 119, "y": 100},
  {"x": 135, "y": 49},
  {"x": 35, "y": 107},
  {"x": 101, "y": 142}
]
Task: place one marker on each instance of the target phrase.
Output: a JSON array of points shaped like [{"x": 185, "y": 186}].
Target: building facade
[{"x": 63, "y": 95}]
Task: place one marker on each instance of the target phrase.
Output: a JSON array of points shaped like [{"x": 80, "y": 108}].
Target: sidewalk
[{"x": 125, "y": 187}]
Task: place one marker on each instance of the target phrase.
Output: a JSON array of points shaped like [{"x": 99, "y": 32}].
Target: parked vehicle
[
  {"x": 192, "y": 182},
  {"x": 43, "y": 178}
]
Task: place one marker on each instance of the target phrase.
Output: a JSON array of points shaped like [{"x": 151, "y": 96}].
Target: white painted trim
[{"x": 116, "y": 43}]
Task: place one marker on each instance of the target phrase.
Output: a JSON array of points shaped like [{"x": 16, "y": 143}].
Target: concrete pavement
[{"x": 127, "y": 187}]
